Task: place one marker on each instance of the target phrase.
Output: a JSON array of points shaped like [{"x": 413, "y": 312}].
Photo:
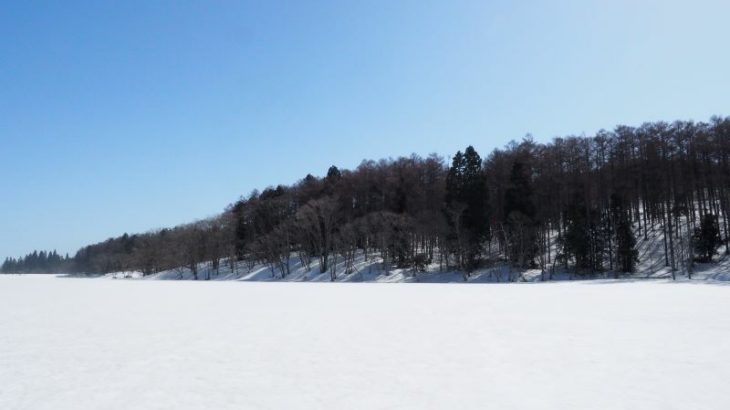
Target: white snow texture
[{"x": 69, "y": 343}]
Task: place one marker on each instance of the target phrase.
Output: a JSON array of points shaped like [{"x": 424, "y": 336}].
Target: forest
[{"x": 577, "y": 203}]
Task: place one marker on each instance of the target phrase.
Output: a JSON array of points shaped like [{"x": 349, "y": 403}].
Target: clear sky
[{"x": 126, "y": 116}]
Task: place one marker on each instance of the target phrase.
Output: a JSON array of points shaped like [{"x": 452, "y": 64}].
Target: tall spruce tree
[
  {"x": 707, "y": 238},
  {"x": 519, "y": 210},
  {"x": 583, "y": 240},
  {"x": 467, "y": 204},
  {"x": 626, "y": 253}
]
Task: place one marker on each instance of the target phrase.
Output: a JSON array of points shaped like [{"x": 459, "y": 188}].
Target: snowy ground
[
  {"x": 651, "y": 251},
  {"x": 108, "y": 344},
  {"x": 372, "y": 270}
]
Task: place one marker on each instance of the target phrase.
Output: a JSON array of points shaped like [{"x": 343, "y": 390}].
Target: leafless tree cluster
[{"x": 579, "y": 203}]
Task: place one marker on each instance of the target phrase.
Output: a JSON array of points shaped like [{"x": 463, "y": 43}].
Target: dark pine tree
[
  {"x": 626, "y": 254},
  {"x": 467, "y": 205},
  {"x": 707, "y": 238},
  {"x": 583, "y": 239},
  {"x": 519, "y": 210}
]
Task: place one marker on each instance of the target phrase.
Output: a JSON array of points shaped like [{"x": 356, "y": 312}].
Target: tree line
[
  {"x": 38, "y": 262},
  {"x": 578, "y": 203}
]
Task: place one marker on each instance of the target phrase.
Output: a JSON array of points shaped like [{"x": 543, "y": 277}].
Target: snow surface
[{"x": 68, "y": 343}]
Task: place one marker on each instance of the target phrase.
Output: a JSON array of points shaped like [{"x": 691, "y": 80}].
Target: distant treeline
[
  {"x": 577, "y": 203},
  {"x": 38, "y": 262}
]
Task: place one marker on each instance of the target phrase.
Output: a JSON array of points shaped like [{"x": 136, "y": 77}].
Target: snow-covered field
[{"x": 110, "y": 344}]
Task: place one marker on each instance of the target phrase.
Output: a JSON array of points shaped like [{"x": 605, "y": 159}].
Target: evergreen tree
[
  {"x": 476, "y": 196},
  {"x": 707, "y": 238},
  {"x": 626, "y": 254},
  {"x": 519, "y": 211},
  {"x": 8, "y": 266},
  {"x": 467, "y": 206},
  {"x": 583, "y": 240},
  {"x": 455, "y": 180},
  {"x": 334, "y": 174}
]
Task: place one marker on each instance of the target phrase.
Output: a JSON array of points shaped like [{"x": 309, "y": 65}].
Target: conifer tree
[
  {"x": 707, "y": 238},
  {"x": 467, "y": 205},
  {"x": 519, "y": 211},
  {"x": 626, "y": 253}
]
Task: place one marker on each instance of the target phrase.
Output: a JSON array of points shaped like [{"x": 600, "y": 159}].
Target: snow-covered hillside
[
  {"x": 103, "y": 344},
  {"x": 650, "y": 248},
  {"x": 372, "y": 270}
]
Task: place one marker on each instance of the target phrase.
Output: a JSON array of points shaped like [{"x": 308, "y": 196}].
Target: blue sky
[{"x": 126, "y": 116}]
